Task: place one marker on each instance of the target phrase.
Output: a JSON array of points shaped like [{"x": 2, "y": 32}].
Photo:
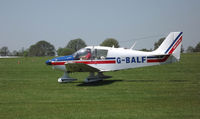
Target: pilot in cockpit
[
  {"x": 88, "y": 56},
  {"x": 83, "y": 54}
]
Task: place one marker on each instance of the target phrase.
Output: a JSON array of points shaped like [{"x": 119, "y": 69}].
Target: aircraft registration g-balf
[{"x": 103, "y": 59}]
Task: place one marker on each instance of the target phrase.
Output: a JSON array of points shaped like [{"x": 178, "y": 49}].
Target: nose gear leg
[{"x": 66, "y": 78}]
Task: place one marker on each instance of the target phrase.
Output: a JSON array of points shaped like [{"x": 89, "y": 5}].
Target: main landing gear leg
[
  {"x": 66, "y": 78},
  {"x": 92, "y": 78},
  {"x": 101, "y": 75}
]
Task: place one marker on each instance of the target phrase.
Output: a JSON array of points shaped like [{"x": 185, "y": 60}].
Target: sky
[{"x": 25, "y": 22}]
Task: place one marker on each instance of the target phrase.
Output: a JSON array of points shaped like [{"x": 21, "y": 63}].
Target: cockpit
[
  {"x": 90, "y": 54},
  {"x": 82, "y": 54}
]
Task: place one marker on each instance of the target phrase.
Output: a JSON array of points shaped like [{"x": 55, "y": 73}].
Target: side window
[{"x": 100, "y": 54}]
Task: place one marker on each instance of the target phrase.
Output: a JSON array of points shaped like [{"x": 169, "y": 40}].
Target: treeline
[
  {"x": 44, "y": 48},
  {"x": 193, "y": 49}
]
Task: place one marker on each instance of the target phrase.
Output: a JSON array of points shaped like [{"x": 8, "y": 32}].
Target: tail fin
[{"x": 171, "y": 45}]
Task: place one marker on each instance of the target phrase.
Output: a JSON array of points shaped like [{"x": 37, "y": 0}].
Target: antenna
[{"x": 133, "y": 45}]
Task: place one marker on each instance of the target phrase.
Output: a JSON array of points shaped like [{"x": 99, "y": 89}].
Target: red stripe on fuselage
[
  {"x": 97, "y": 62},
  {"x": 86, "y": 62},
  {"x": 58, "y": 63},
  {"x": 158, "y": 60}
]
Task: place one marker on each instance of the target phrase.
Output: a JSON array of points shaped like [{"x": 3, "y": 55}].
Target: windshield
[{"x": 84, "y": 53}]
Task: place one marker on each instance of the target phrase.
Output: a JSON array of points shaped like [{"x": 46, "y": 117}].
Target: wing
[{"x": 79, "y": 67}]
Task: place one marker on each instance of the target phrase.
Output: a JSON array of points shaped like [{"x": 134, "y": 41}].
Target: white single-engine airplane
[{"x": 102, "y": 59}]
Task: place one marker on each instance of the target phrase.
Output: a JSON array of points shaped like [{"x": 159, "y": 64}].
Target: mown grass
[{"x": 29, "y": 90}]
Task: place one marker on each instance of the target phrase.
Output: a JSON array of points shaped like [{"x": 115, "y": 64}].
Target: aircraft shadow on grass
[
  {"x": 99, "y": 83},
  {"x": 108, "y": 82}
]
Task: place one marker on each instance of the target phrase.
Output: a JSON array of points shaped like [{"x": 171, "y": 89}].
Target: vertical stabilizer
[{"x": 171, "y": 45}]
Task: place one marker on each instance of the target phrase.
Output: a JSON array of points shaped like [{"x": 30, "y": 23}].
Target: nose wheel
[{"x": 66, "y": 78}]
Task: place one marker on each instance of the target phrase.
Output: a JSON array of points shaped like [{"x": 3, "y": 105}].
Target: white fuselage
[{"x": 120, "y": 58}]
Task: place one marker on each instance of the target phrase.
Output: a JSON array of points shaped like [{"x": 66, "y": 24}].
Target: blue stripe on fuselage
[
  {"x": 63, "y": 58},
  {"x": 110, "y": 58}
]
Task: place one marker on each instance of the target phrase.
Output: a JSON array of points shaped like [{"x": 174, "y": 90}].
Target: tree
[
  {"x": 110, "y": 42},
  {"x": 42, "y": 48},
  {"x": 76, "y": 44},
  {"x": 182, "y": 49},
  {"x": 157, "y": 44},
  {"x": 146, "y": 50},
  {"x": 190, "y": 49},
  {"x": 64, "y": 51},
  {"x": 15, "y": 53},
  {"x": 197, "y": 48},
  {"x": 25, "y": 53},
  {"x": 4, "y": 51}
]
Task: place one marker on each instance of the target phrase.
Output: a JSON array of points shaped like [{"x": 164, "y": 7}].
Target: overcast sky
[{"x": 24, "y": 22}]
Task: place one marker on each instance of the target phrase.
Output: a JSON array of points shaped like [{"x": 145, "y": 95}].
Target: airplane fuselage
[{"x": 115, "y": 59}]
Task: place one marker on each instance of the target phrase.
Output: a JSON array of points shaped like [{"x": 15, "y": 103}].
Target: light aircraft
[{"x": 102, "y": 59}]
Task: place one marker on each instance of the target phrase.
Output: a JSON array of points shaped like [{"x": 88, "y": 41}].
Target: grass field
[{"x": 29, "y": 90}]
